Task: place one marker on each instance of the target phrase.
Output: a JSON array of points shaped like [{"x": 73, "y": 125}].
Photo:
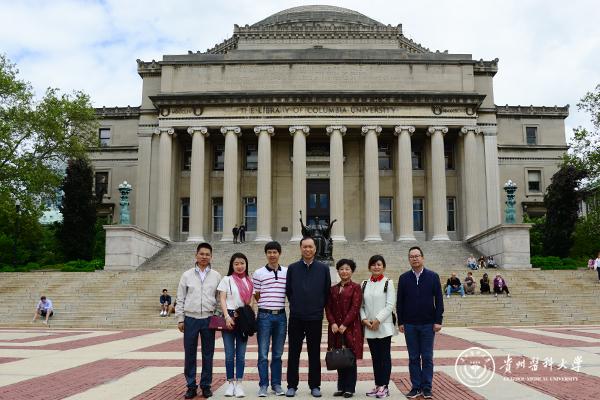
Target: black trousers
[
  {"x": 347, "y": 379},
  {"x": 297, "y": 331},
  {"x": 382, "y": 359},
  {"x": 497, "y": 290}
]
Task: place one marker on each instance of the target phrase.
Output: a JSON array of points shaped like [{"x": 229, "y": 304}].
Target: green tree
[
  {"x": 585, "y": 146},
  {"x": 586, "y": 240},
  {"x": 536, "y": 234},
  {"x": 561, "y": 202},
  {"x": 78, "y": 231},
  {"x": 38, "y": 136}
]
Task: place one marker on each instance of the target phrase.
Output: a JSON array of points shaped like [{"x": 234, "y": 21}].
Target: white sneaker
[
  {"x": 447, "y": 296},
  {"x": 239, "y": 390},
  {"x": 230, "y": 391}
]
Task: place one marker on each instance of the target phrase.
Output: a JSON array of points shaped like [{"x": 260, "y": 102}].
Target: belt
[{"x": 274, "y": 312}]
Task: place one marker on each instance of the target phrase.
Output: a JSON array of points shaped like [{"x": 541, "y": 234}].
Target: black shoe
[
  {"x": 427, "y": 393},
  {"x": 191, "y": 393},
  {"x": 206, "y": 393},
  {"x": 414, "y": 393},
  {"x": 338, "y": 394},
  {"x": 347, "y": 395}
]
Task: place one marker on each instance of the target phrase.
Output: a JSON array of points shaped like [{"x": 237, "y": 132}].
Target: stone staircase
[{"x": 114, "y": 300}]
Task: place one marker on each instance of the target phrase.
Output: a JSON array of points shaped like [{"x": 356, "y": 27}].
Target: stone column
[
  {"x": 199, "y": 133},
  {"x": 231, "y": 189},
  {"x": 492, "y": 176},
  {"x": 469, "y": 169},
  {"x": 404, "y": 184},
  {"x": 165, "y": 158},
  {"x": 142, "y": 194},
  {"x": 371, "y": 179},
  {"x": 336, "y": 181},
  {"x": 263, "y": 183},
  {"x": 298, "y": 179},
  {"x": 438, "y": 183}
]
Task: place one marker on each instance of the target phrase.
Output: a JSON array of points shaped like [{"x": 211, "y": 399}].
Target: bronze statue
[{"x": 321, "y": 236}]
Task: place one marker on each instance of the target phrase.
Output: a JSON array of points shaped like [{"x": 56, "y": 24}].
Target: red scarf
[
  {"x": 245, "y": 289},
  {"x": 373, "y": 279}
]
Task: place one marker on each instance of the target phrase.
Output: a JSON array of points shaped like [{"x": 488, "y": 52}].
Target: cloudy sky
[{"x": 549, "y": 51}]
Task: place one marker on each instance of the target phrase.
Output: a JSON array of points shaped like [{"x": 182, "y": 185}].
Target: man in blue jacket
[
  {"x": 420, "y": 309},
  {"x": 307, "y": 288}
]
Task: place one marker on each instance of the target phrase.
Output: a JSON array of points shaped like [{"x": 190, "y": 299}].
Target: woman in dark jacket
[
  {"x": 343, "y": 315},
  {"x": 484, "y": 284}
]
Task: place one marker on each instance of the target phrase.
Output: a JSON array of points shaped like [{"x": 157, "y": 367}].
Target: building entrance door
[{"x": 317, "y": 201}]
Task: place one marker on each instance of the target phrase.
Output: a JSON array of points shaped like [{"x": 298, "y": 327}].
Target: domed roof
[{"x": 318, "y": 13}]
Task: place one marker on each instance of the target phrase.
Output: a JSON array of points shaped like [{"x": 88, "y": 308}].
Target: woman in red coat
[{"x": 343, "y": 315}]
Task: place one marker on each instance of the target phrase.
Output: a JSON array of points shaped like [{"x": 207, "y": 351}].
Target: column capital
[
  {"x": 371, "y": 128},
  {"x": 341, "y": 128},
  {"x": 264, "y": 128},
  {"x": 198, "y": 129},
  {"x": 169, "y": 131},
  {"x": 471, "y": 128},
  {"x": 398, "y": 129},
  {"x": 433, "y": 129},
  {"x": 302, "y": 128},
  {"x": 235, "y": 129}
]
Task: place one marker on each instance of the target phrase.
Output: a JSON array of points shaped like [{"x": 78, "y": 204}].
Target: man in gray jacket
[{"x": 196, "y": 303}]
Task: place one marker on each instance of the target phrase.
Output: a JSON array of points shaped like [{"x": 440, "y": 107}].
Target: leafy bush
[
  {"x": 556, "y": 263},
  {"x": 71, "y": 266}
]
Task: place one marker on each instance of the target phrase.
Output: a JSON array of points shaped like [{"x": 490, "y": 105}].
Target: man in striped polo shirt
[{"x": 269, "y": 290}]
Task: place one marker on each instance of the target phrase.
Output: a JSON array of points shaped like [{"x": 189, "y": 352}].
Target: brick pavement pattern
[{"x": 535, "y": 363}]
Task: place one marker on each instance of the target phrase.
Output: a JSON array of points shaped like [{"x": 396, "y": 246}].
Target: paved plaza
[{"x": 527, "y": 363}]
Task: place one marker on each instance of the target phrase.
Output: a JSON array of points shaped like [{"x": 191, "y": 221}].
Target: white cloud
[{"x": 548, "y": 51}]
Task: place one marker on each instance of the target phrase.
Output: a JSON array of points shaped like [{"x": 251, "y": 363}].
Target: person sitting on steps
[
  {"x": 453, "y": 285},
  {"x": 469, "y": 283}
]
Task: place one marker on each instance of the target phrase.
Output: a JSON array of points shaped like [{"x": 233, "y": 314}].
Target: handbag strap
[{"x": 343, "y": 339}]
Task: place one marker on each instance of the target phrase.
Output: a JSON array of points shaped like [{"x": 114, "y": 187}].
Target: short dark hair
[
  {"x": 416, "y": 248},
  {"x": 43, "y": 298},
  {"x": 377, "y": 257},
  {"x": 306, "y": 238},
  {"x": 346, "y": 261},
  {"x": 232, "y": 259},
  {"x": 204, "y": 245},
  {"x": 273, "y": 245},
  {"x": 164, "y": 290}
]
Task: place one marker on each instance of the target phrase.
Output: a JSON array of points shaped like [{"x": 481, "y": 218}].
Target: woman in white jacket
[{"x": 376, "y": 314}]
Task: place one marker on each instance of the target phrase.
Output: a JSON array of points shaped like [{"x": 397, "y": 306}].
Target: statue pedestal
[
  {"x": 507, "y": 243},
  {"x": 128, "y": 247}
]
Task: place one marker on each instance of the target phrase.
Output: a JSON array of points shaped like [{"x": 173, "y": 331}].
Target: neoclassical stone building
[{"x": 323, "y": 110}]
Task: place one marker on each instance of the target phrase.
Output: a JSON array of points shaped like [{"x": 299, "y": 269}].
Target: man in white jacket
[{"x": 196, "y": 303}]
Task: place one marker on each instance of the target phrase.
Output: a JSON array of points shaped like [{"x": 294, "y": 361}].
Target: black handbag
[{"x": 339, "y": 358}]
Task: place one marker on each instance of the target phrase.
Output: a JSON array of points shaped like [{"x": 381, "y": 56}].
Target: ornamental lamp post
[
  {"x": 124, "y": 189},
  {"x": 510, "y": 212}
]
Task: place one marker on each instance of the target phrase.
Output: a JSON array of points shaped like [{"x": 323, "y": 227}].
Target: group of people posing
[{"x": 372, "y": 309}]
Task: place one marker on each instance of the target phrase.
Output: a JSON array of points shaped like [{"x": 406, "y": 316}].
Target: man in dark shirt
[
  {"x": 235, "y": 232},
  {"x": 242, "y": 232},
  {"x": 165, "y": 302},
  {"x": 420, "y": 309},
  {"x": 307, "y": 289},
  {"x": 453, "y": 285}
]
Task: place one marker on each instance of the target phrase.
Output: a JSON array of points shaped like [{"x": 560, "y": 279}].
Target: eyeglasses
[{"x": 414, "y": 257}]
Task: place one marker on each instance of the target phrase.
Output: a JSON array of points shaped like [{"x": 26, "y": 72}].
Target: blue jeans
[
  {"x": 450, "y": 289},
  {"x": 270, "y": 326},
  {"x": 419, "y": 343},
  {"x": 235, "y": 352},
  {"x": 192, "y": 328}
]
